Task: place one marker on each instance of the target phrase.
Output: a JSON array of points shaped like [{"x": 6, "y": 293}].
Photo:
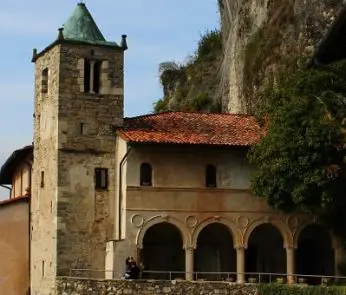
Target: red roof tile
[{"x": 192, "y": 128}]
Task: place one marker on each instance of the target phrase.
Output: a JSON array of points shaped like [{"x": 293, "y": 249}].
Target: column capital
[
  {"x": 290, "y": 247},
  {"x": 189, "y": 248},
  {"x": 240, "y": 247}
]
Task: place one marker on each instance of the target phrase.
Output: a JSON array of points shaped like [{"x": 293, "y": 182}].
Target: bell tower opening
[
  {"x": 92, "y": 76},
  {"x": 86, "y": 76}
]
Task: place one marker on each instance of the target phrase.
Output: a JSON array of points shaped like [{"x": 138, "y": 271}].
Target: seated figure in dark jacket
[{"x": 132, "y": 269}]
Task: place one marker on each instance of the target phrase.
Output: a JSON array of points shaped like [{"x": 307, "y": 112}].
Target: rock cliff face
[{"x": 262, "y": 37}]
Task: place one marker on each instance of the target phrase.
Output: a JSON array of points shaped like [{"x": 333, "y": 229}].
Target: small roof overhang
[{"x": 9, "y": 167}]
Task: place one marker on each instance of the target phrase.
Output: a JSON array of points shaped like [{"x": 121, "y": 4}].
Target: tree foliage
[{"x": 301, "y": 159}]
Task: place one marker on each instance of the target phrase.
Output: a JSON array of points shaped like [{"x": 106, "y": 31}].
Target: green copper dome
[{"x": 81, "y": 27}]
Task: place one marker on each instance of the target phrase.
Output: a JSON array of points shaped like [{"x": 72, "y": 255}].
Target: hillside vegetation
[{"x": 193, "y": 85}]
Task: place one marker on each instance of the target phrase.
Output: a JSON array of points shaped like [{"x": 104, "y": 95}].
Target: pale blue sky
[{"x": 158, "y": 30}]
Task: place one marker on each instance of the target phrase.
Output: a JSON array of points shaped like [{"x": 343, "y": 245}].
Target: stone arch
[
  {"x": 334, "y": 241},
  {"x": 315, "y": 254},
  {"x": 185, "y": 235},
  {"x": 215, "y": 256},
  {"x": 265, "y": 248},
  {"x": 281, "y": 226},
  {"x": 210, "y": 220}
]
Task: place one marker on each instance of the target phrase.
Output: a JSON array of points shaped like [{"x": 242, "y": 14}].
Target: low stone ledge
[{"x": 78, "y": 286}]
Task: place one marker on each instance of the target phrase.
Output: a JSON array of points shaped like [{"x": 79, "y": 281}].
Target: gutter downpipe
[
  {"x": 29, "y": 221},
  {"x": 120, "y": 189}
]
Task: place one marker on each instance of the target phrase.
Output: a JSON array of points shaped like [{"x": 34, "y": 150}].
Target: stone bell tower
[{"x": 79, "y": 95}]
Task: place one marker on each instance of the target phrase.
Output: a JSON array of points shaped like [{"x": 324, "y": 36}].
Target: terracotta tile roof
[{"x": 192, "y": 128}]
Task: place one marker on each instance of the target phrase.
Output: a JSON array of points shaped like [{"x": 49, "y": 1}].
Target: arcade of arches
[{"x": 216, "y": 255}]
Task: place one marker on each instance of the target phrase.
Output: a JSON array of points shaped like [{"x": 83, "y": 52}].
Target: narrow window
[
  {"x": 43, "y": 271},
  {"x": 42, "y": 178},
  {"x": 81, "y": 128},
  {"x": 44, "y": 86},
  {"x": 145, "y": 175},
  {"x": 97, "y": 76},
  {"x": 86, "y": 75},
  {"x": 101, "y": 178},
  {"x": 210, "y": 176}
]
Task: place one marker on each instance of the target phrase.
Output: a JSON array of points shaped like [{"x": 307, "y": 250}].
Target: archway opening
[
  {"x": 315, "y": 255},
  {"x": 162, "y": 254},
  {"x": 215, "y": 257},
  {"x": 265, "y": 256}
]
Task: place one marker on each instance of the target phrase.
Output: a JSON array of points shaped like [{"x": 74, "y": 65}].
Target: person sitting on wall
[
  {"x": 128, "y": 268},
  {"x": 132, "y": 270}
]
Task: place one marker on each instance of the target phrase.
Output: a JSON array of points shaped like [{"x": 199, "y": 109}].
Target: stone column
[
  {"x": 189, "y": 263},
  {"x": 337, "y": 259},
  {"x": 240, "y": 265},
  {"x": 290, "y": 264},
  {"x": 92, "y": 69}
]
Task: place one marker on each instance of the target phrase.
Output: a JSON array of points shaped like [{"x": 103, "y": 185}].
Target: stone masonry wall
[
  {"x": 44, "y": 187},
  {"x": 66, "y": 286},
  {"x": 85, "y": 214}
]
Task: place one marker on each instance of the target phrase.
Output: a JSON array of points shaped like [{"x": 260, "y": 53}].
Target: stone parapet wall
[{"x": 79, "y": 286}]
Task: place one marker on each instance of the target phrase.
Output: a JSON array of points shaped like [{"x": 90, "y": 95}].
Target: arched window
[
  {"x": 210, "y": 176},
  {"x": 146, "y": 174}
]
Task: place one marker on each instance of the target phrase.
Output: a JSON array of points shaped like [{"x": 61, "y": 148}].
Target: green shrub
[
  {"x": 160, "y": 105},
  {"x": 277, "y": 289},
  {"x": 209, "y": 44},
  {"x": 200, "y": 101},
  {"x": 190, "y": 86}
]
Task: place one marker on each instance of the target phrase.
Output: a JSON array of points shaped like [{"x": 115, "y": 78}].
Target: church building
[{"x": 170, "y": 189}]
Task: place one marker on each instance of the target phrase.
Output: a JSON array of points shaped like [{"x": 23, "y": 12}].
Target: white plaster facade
[{"x": 178, "y": 196}]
